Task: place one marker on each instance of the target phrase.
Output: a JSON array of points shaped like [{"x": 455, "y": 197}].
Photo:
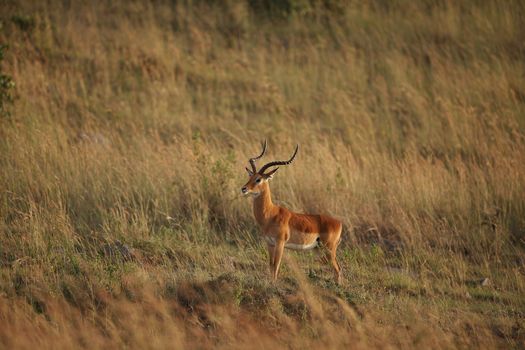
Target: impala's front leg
[{"x": 278, "y": 254}]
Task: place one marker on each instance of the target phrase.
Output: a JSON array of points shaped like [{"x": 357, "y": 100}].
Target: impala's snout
[{"x": 244, "y": 190}]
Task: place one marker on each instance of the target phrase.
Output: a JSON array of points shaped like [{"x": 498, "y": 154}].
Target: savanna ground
[{"x": 123, "y": 151}]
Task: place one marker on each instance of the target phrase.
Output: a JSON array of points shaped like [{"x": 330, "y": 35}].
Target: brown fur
[{"x": 285, "y": 226}]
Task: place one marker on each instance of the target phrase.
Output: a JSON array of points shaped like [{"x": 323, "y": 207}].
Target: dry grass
[{"x": 133, "y": 123}]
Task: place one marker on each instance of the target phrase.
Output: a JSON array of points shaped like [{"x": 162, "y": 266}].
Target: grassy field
[{"x": 123, "y": 151}]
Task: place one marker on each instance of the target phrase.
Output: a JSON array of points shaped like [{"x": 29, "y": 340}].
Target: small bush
[{"x": 6, "y": 87}]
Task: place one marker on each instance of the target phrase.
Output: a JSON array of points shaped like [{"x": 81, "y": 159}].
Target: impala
[{"x": 282, "y": 228}]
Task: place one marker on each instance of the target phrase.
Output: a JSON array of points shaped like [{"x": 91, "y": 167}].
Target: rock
[{"x": 484, "y": 282}]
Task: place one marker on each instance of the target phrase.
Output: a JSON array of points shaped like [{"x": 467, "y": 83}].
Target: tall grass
[{"x": 122, "y": 158}]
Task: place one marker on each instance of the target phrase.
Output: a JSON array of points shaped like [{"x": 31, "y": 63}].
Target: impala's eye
[{"x": 258, "y": 181}]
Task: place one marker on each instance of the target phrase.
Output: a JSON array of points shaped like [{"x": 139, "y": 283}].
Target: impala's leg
[
  {"x": 331, "y": 245},
  {"x": 278, "y": 254},
  {"x": 335, "y": 264},
  {"x": 324, "y": 254},
  {"x": 271, "y": 254}
]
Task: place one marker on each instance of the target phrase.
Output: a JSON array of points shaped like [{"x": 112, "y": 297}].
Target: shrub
[{"x": 6, "y": 86}]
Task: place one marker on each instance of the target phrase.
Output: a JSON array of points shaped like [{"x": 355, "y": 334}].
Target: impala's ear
[
  {"x": 269, "y": 175},
  {"x": 249, "y": 171}
]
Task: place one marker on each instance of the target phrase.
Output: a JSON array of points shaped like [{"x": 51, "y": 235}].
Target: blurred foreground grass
[{"x": 123, "y": 154}]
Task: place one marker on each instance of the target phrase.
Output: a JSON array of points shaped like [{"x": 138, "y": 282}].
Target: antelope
[{"x": 282, "y": 228}]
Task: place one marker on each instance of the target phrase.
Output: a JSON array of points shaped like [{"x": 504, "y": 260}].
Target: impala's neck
[{"x": 262, "y": 205}]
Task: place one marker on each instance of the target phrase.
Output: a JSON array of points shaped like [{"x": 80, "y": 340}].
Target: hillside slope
[{"x": 123, "y": 154}]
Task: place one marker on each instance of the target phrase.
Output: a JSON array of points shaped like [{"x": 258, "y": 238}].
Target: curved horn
[
  {"x": 280, "y": 162},
  {"x": 252, "y": 160}
]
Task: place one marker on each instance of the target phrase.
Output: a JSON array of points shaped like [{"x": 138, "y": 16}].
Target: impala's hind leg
[
  {"x": 328, "y": 256},
  {"x": 335, "y": 264},
  {"x": 271, "y": 249},
  {"x": 331, "y": 244}
]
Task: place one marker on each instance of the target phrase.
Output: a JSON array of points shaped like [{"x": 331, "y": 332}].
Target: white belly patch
[{"x": 294, "y": 246}]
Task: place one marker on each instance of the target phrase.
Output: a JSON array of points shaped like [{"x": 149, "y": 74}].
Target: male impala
[{"x": 283, "y": 228}]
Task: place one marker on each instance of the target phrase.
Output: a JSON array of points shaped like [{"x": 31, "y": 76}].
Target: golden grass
[{"x": 133, "y": 123}]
